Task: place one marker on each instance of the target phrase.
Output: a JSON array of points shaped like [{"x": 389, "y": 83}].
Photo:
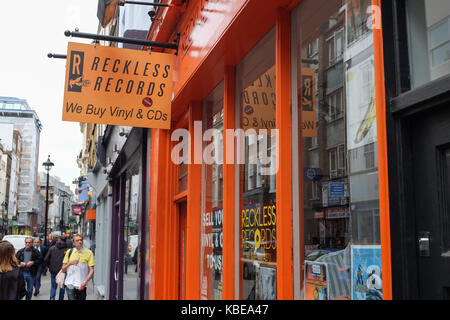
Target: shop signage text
[{"x": 118, "y": 86}]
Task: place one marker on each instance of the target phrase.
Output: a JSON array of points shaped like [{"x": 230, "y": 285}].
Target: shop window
[
  {"x": 428, "y": 40},
  {"x": 212, "y": 196},
  {"x": 255, "y": 78},
  {"x": 341, "y": 229}
]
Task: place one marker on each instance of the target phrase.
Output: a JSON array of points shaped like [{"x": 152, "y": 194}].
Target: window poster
[
  {"x": 361, "y": 104},
  {"x": 266, "y": 284},
  {"x": 316, "y": 281},
  {"x": 366, "y": 272}
]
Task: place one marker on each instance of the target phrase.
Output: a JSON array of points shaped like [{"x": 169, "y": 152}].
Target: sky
[{"x": 29, "y": 30}]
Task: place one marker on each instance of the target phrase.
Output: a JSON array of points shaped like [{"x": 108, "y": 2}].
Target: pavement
[{"x": 44, "y": 292}]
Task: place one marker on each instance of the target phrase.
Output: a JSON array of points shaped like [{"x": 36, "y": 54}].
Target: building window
[
  {"x": 335, "y": 105},
  {"x": 428, "y": 28},
  {"x": 335, "y": 45},
  {"x": 212, "y": 197},
  {"x": 369, "y": 155},
  {"x": 340, "y": 193},
  {"x": 255, "y": 78}
]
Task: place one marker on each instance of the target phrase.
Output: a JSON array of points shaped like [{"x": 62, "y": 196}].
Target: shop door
[
  {"x": 182, "y": 253},
  {"x": 126, "y": 247},
  {"x": 116, "y": 245},
  {"x": 430, "y": 141}
]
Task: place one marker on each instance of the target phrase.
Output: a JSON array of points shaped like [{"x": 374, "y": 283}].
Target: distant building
[
  {"x": 60, "y": 202},
  {"x": 26, "y": 124}
]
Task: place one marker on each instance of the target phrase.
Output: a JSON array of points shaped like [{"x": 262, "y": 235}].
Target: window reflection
[
  {"x": 256, "y": 83},
  {"x": 132, "y": 257},
  {"x": 428, "y": 40},
  {"x": 212, "y": 197},
  {"x": 336, "y": 90}
]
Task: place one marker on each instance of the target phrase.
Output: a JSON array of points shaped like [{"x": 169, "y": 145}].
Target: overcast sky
[{"x": 29, "y": 30}]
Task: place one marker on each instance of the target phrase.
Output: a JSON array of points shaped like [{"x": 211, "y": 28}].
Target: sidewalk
[{"x": 44, "y": 292}]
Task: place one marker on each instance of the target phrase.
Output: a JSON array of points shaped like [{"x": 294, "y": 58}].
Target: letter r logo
[{"x": 76, "y": 71}]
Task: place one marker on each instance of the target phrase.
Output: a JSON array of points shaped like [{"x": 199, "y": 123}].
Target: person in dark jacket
[
  {"x": 40, "y": 267},
  {"x": 12, "y": 283},
  {"x": 53, "y": 260},
  {"x": 29, "y": 258}
]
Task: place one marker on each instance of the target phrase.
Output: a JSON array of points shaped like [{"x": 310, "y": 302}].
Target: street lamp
[
  {"x": 5, "y": 221},
  {"x": 61, "y": 220},
  {"x": 48, "y": 166}
]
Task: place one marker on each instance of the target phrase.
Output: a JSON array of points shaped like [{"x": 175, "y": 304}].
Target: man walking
[
  {"x": 54, "y": 261},
  {"x": 28, "y": 259},
  {"x": 40, "y": 266},
  {"x": 79, "y": 264}
]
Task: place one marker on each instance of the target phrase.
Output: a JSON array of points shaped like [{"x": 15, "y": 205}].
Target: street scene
[{"x": 218, "y": 150}]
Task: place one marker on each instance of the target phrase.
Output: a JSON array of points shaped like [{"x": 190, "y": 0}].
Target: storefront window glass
[
  {"x": 212, "y": 196},
  {"x": 429, "y": 39},
  {"x": 335, "y": 86},
  {"x": 132, "y": 239},
  {"x": 257, "y": 189}
]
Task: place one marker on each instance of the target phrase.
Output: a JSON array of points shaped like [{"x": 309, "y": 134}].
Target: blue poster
[{"x": 366, "y": 273}]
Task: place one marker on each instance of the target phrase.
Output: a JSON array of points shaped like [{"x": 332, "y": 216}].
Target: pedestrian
[
  {"x": 40, "y": 266},
  {"x": 54, "y": 261},
  {"x": 50, "y": 241},
  {"x": 66, "y": 237},
  {"x": 12, "y": 283},
  {"x": 79, "y": 268},
  {"x": 29, "y": 258}
]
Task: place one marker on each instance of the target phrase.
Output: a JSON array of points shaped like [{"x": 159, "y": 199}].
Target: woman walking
[{"x": 12, "y": 283}]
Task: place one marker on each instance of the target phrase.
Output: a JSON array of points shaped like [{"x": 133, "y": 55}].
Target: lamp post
[
  {"x": 61, "y": 220},
  {"x": 47, "y": 165},
  {"x": 5, "y": 221}
]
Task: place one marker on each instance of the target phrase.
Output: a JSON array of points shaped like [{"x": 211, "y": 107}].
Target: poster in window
[
  {"x": 266, "y": 284},
  {"x": 316, "y": 281},
  {"x": 366, "y": 272},
  {"x": 361, "y": 104}
]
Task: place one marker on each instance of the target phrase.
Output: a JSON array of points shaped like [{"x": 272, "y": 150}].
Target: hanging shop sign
[
  {"x": 91, "y": 214},
  {"x": 77, "y": 210},
  {"x": 117, "y": 86},
  {"x": 308, "y": 102},
  {"x": 83, "y": 191}
]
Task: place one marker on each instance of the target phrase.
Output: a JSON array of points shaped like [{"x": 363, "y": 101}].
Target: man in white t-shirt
[{"x": 79, "y": 267}]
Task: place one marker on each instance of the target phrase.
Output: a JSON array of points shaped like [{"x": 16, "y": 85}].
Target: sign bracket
[{"x": 145, "y": 43}]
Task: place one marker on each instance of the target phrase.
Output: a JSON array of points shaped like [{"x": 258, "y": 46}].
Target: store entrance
[
  {"x": 430, "y": 143},
  {"x": 182, "y": 207}
]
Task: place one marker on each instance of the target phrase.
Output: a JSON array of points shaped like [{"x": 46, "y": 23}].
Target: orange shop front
[{"x": 272, "y": 182}]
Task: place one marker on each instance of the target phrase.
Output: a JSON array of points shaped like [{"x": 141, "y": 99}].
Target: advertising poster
[
  {"x": 366, "y": 273},
  {"x": 212, "y": 246},
  {"x": 316, "y": 278},
  {"x": 361, "y": 104}
]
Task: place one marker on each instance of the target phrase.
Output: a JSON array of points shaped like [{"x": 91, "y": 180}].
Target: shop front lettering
[{"x": 259, "y": 227}]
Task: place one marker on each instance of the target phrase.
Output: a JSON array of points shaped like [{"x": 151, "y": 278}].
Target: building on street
[{"x": 307, "y": 157}]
